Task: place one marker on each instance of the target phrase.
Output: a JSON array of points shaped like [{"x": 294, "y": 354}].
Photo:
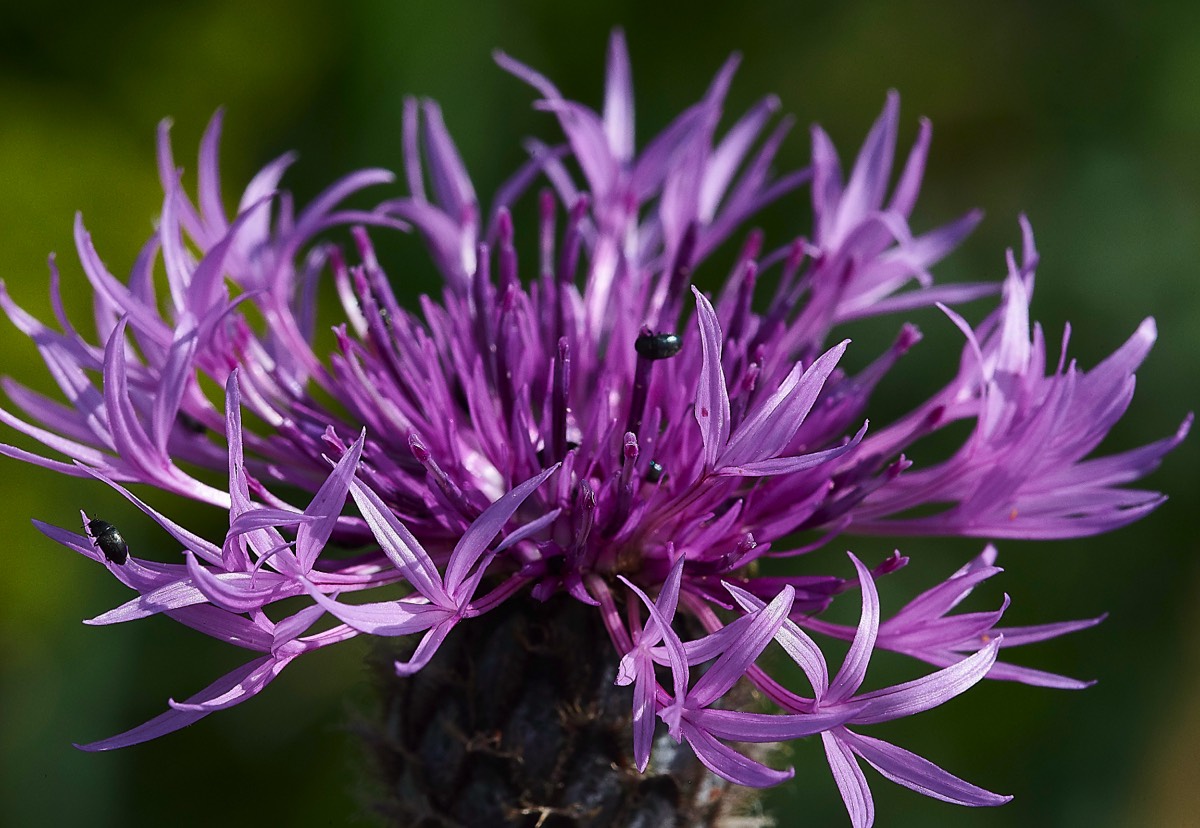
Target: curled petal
[
  {"x": 852, "y": 784},
  {"x": 237, "y": 686},
  {"x": 728, "y": 764},
  {"x": 712, "y": 396},
  {"x": 388, "y": 618},
  {"x": 921, "y": 775},
  {"x": 925, "y": 693}
]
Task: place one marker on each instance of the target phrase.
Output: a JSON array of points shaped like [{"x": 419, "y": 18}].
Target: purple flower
[
  {"x": 441, "y": 602},
  {"x": 1023, "y": 471},
  {"x": 923, "y": 630},
  {"x": 566, "y": 422},
  {"x": 842, "y": 745}
]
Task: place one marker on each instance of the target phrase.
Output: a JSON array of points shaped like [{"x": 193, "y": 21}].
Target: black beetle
[
  {"x": 657, "y": 346},
  {"x": 109, "y": 540}
]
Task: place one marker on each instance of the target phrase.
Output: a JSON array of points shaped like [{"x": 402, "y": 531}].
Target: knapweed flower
[{"x": 578, "y": 432}]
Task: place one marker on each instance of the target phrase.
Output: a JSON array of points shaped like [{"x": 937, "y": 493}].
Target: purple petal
[
  {"x": 176, "y": 375},
  {"x": 644, "y": 690},
  {"x": 668, "y": 597},
  {"x": 827, "y": 184},
  {"x": 294, "y": 626},
  {"x": 239, "y": 591},
  {"x": 386, "y": 618},
  {"x": 675, "y": 653},
  {"x": 528, "y": 530},
  {"x": 212, "y": 207},
  {"x": 1016, "y": 636},
  {"x": 937, "y": 601},
  {"x": 172, "y": 720},
  {"x": 869, "y": 178},
  {"x": 739, "y": 726},
  {"x": 712, "y": 398},
  {"x": 168, "y": 173},
  {"x": 921, "y": 775},
  {"x": 1034, "y": 678},
  {"x": 790, "y": 465},
  {"x": 191, "y": 541},
  {"x": 145, "y": 319},
  {"x": 265, "y": 518},
  {"x": 904, "y": 197},
  {"x": 618, "y": 99},
  {"x": 129, "y": 437},
  {"x": 447, "y": 173},
  {"x": 404, "y": 551},
  {"x": 476, "y": 539},
  {"x": 224, "y": 626},
  {"x": 723, "y": 162},
  {"x": 797, "y": 643},
  {"x": 175, "y": 595},
  {"x": 427, "y": 648},
  {"x": 78, "y": 452},
  {"x": 326, "y": 506},
  {"x": 854, "y": 668},
  {"x": 586, "y": 134},
  {"x": 728, "y": 764},
  {"x": 851, "y": 782},
  {"x": 771, "y": 425},
  {"x": 742, "y": 652},
  {"x": 929, "y": 691},
  {"x": 250, "y": 685}
]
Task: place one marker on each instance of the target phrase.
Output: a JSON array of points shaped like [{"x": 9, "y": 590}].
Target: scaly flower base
[{"x": 518, "y": 723}]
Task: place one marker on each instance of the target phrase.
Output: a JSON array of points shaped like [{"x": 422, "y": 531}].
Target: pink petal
[
  {"x": 854, "y": 668},
  {"x": 712, "y": 396},
  {"x": 921, "y": 775},
  {"x": 852, "y": 785},
  {"x": 728, "y": 764},
  {"x": 242, "y": 683}
]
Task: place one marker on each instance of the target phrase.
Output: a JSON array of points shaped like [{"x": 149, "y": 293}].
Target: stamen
[
  {"x": 739, "y": 400},
  {"x": 585, "y": 518},
  {"x": 629, "y": 455},
  {"x": 567, "y": 263},
  {"x": 558, "y": 402},
  {"x": 454, "y": 495},
  {"x": 508, "y": 253},
  {"x": 547, "y": 205},
  {"x": 741, "y": 312},
  {"x": 504, "y": 374},
  {"x": 681, "y": 271},
  {"x": 572, "y": 241},
  {"x": 483, "y": 295},
  {"x": 650, "y": 348},
  {"x": 787, "y": 294}
]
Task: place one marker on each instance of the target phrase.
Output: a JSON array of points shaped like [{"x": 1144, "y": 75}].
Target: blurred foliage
[{"x": 1086, "y": 115}]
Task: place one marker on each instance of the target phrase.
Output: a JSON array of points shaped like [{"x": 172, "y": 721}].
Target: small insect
[
  {"x": 657, "y": 346},
  {"x": 655, "y": 472},
  {"x": 109, "y": 540}
]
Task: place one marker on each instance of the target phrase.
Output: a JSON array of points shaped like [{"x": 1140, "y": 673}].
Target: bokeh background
[{"x": 1085, "y": 116}]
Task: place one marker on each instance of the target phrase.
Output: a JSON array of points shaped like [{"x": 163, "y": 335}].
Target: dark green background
[{"x": 1087, "y": 116}]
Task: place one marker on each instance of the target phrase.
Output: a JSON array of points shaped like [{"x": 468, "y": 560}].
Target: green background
[{"x": 1086, "y": 116}]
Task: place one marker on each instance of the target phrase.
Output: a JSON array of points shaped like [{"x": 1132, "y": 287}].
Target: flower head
[{"x": 585, "y": 421}]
